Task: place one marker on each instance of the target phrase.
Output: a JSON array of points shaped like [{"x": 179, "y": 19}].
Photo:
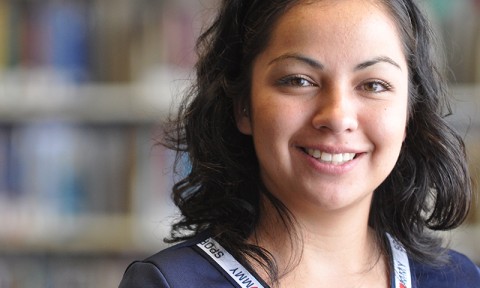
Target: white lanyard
[
  {"x": 401, "y": 266},
  {"x": 245, "y": 279},
  {"x": 225, "y": 260}
]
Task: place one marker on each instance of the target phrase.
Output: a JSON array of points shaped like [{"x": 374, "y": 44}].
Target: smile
[{"x": 335, "y": 159}]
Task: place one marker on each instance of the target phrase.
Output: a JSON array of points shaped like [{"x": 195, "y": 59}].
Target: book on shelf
[
  {"x": 54, "y": 171},
  {"x": 4, "y": 33},
  {"x": 47, "y": 34},
  {"x": 55, "y": 178},
  {"x": 82, "y": 270},
  {"x": 99, "y": 40}
]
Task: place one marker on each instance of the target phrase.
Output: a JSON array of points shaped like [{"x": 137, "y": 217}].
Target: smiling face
[{"x": 328, "y": 104}]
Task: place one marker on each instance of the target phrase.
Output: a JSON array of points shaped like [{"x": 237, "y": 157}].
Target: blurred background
[{"x": 84, "y": 87}]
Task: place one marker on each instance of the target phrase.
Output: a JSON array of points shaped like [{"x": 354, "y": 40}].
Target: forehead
[
  {"x": 344, "y": 12},
  {"x": 334, "y": 26},
  {"x": 383, "y": 5}
]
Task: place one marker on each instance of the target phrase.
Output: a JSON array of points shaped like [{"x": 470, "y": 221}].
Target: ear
[{"x": 242, "y": 118}]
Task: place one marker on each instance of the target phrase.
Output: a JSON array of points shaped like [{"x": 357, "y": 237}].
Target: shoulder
[
  {"x": 459, "y": 272},
  {"x": 178, "y": 266}
]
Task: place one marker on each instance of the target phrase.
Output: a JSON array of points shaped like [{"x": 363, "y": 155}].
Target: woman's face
[{"x": 328, "y": 104}]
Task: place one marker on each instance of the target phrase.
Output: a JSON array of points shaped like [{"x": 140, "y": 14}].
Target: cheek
[
  {"x": 273, "y": 124},
  {"x": 383, "y": 123},
  {"x": 267, "y": 110},
  {"x": 268, "y": 121},
  {"x": 391, "y": 127}
]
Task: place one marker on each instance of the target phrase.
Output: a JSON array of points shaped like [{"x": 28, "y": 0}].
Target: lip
[
  {"x": 330, "y": 168},
  {"x": 331, "y": 149}
]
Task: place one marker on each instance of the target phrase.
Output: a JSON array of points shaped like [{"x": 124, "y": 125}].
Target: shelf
[
  {"x": 86, "y": 234},
  {"x": 30, "y": 98}
]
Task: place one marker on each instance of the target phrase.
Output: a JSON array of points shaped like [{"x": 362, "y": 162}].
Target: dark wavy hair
[{"x": 429, "y": 188}]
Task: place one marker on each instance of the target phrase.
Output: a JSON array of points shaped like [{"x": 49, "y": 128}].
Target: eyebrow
[
  {"x": 376, "y": 60},
  {"x": 309, "y": 61},
  {"x": 318, "y": 65}
]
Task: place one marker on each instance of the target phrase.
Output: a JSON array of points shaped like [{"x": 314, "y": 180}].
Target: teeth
[
  {"x": 336, "y": 159},
  {"x": 327, "y": 157}
]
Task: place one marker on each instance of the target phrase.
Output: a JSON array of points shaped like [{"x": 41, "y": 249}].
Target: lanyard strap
[
  {"x": 231, "y": 266},
  {"x": 245, "y": 279},
  {"x": 401, "y": 267}
]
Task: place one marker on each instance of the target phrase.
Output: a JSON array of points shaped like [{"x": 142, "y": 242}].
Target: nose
[{"x": 335, "y": 112}]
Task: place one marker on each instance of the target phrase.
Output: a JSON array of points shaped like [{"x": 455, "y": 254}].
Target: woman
[{"x": 318, "y": 152}]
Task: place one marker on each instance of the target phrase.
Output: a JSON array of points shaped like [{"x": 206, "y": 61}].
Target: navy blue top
[{"x": 184, "y": 266}]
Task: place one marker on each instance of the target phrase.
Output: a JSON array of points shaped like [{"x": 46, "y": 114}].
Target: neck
[{"x": 333, "y": 245}]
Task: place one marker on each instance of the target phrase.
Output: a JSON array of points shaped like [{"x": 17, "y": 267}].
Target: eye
[
  {"x": 376, "y": 86},
  {"x": 296, "y": 81}
]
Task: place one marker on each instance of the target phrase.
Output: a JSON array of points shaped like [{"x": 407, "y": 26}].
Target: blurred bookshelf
[{"x": 84, "y": 88}]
